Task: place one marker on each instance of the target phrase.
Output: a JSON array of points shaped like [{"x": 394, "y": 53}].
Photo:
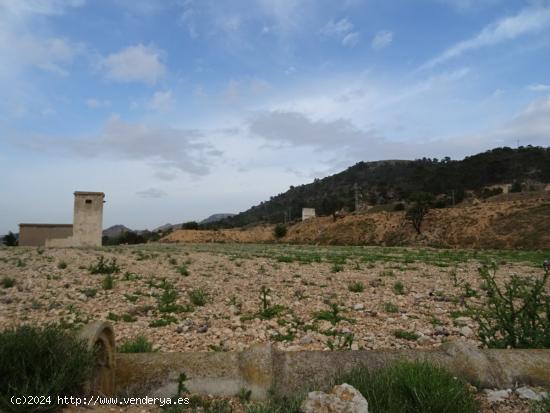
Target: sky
[{"x": 178, "y": 109}]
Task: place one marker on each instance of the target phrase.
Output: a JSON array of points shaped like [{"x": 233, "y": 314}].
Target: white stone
[
  {"x": 495, "y": 396},
  {"x": 528, "y": 393},
  {"x": 359, "y": 306},
  {"x": 466, "y": 331},
  {"x": 342, "y": 399}
]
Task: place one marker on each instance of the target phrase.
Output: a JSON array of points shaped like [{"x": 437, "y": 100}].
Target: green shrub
[
  {"x": 182, "y": 269},
  {"x": 62, "y": 265},
  {"x": 10, "y": 239},
  {"x": 399, "y": 288},
  {"x": 332, "y": 315},
  {"x": 406, "y": 335},
  {"x": 103, "y": 266},
  {"x": 516, "y": 315},
  {"x": 198, "y": 297},
  {"x": 542, "y": 406},
  {"x": 268, "y": 311},
  {"x": 108, "y": 282},
  {"x": 279, "y": 231},
  {"x": 138, "y": 344},
  {"x": 405, "y": 387},
  {"x": 356, "y": 287},
  {"x": 7, "y": 282},
  {"x": 41, "y": 361},
  {"x": 391, "y": 308}
]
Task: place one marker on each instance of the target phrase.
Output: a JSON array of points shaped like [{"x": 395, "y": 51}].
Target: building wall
[
  {"x": 308, "y": 213},
  {"x": 88, "y": 218},
  {"x": 35, "y": 235}
]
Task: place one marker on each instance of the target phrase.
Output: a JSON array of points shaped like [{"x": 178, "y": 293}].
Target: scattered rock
[
  {"x": 359, "y": 306},
  {"x": 342, "y": 399},
  {"x": 423, "y": 340},
  {"x": 497, "y": 396},
  {"x": 202, "y": 328},
  {"x": 466, "y": 331},
  {"x": 530, "y": 394}
]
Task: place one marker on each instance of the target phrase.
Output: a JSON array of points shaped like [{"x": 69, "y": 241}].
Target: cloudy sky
[{"x": 178, "y": 109}]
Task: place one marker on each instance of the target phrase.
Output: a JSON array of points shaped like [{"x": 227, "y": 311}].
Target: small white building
[{"x": 308, "y": 213}]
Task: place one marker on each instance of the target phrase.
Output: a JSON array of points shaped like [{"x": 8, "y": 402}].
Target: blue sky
[{"x": 178, "y": 109}]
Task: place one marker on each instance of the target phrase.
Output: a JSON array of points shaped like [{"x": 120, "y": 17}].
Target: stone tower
[{"x": 88, "y": 218}]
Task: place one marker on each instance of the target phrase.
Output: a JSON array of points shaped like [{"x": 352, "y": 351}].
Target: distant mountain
[
  {"x": 215, "y": 218},
  {"x": 384, "y": 182},
  {"x": 166, "y": 227},
  {"x": 115, "y": 231}
]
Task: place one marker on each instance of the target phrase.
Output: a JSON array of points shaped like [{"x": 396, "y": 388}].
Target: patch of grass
[
  {"x": 89, "y": 292},
  {"x": 138, "y": 344},
  {"x": 406, "y": 387},
  {"x": 127, "y": 318},
  {"x": 332, "y": 315},
  {"x": 542, "y": 406},
  {"x": 164, "y": 321},
  {"x": 62, "y": 265},
  {"x": 103, "y": 266},
  {"x": 45, "y": 361},
  {"x": 399, "y": 288},
  {"x": 108, "y": 282},
  {"x": 391, "y": 308},
  {"x": 7, "y": 282},
  {"x": 406, "y": 335},
  {"x": 336, "y": 267},
  {"x": 198, "y": 297},
  {"x": 113, "y": 317},
  {"x": 268, "y": 311},
  {"x": 183, "y": 270},
  {"x": 356, "y": 287}
]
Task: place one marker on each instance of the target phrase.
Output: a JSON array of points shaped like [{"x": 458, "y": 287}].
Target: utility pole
[{"x": 356, "y": 189}]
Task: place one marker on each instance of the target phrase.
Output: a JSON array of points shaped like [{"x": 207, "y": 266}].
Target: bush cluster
[{"x": 46, "y": 361}]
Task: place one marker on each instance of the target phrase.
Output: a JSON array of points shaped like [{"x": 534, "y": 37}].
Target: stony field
[{"x": 220, "y": 297}]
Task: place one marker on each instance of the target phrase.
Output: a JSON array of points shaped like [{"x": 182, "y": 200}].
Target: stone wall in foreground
[{"x": 263, "y": 368}]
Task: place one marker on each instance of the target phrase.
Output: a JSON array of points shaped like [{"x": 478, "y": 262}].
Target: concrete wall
[
  {"x": 35, "y": 235},
  {"x": 263, "y": 369},
  {"x": 308, "y": 213},
  {"x": 87, "y": 222},
  {"x": 88, "y": 218}
]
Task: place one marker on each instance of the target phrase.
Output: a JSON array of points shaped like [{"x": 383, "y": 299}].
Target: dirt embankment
[{"x": 517, "y": 221}]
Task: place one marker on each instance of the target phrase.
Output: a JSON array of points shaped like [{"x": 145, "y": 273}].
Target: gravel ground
[{"x": 209, "y": 297}]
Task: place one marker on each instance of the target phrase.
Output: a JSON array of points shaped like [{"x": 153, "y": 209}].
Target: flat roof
[
  {"x": 45, "y": 225},
  {"x": 88, "y": 193}
]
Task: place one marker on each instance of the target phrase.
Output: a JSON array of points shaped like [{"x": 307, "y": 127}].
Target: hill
[
  {"x": 385, "y": 182},
  {"x": 511, "y": 221},
  {"x": 215, "y": 218},
  {"x": 115, "y": 231}
]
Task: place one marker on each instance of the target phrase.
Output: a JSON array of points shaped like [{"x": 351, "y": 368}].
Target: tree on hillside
[
  {"x": 10, "y": 240},
  {"x": 420, "y": 204}
]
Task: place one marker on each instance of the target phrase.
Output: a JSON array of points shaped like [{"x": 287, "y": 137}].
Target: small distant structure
[
  {"x": 85, "y": 231},
  {"x": 308, "y": 213}
]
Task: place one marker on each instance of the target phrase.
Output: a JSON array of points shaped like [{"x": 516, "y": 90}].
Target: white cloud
[
  {"x": 382, "y": 39},
  {"x": 45, "y": 7},
  {"x": 342, "y": 30},
  {"x": 135, "y": 64},
  {"x": 466, "y": 5},
  {"x": 351, "y": 39},
  {"x": 93, "y": 103},
  {"x": 164, "y": 148},
  {"x": 528, "y": 21},
  {"x": 539, "y": 87},
  {"x": 153, "y": 193},
  {"x": 161, "y": 100}
]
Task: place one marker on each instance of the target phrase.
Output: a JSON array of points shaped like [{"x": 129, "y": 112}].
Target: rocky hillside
[
  {"x": 514, "y": 221},
  {"x": 385, "y": 182}
]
